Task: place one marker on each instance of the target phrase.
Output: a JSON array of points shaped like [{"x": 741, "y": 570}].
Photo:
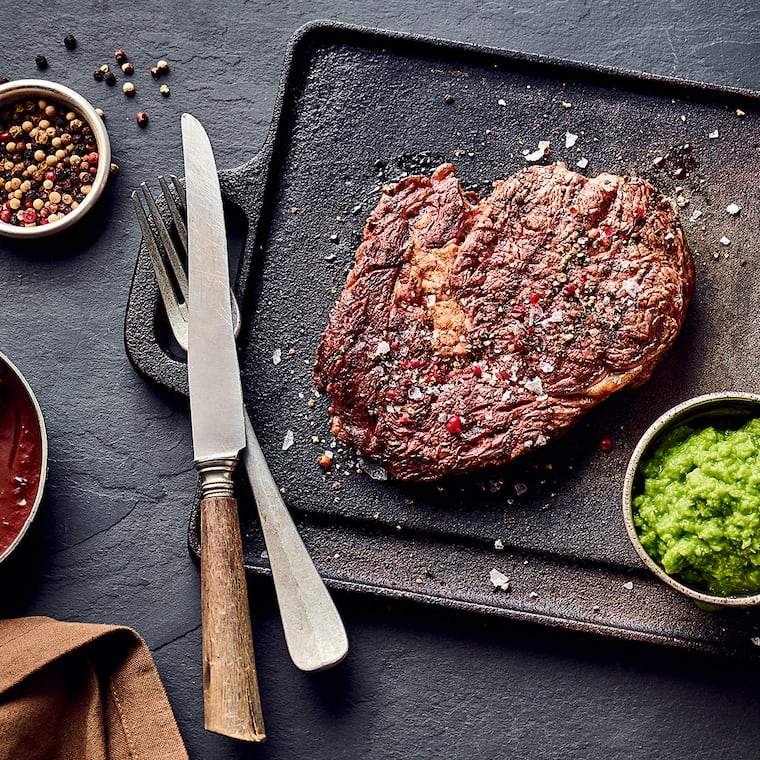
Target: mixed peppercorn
[{"x": 48, "y": 162}]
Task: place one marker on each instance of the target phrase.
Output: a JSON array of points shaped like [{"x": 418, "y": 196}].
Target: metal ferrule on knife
[{"x": 217, "y": 477}]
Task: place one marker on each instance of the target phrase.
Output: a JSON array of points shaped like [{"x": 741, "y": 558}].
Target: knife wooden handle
[{"x": 232, "y": 705}]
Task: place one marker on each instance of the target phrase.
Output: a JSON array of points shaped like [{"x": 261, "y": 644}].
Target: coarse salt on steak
[{"x": 471, "y": 332}]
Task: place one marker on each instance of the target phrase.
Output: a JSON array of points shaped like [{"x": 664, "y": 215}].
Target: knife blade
[{"x": 232, "y": 705}]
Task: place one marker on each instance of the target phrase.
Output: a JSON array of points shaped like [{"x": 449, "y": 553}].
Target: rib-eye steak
[{"x": 471, "y": 332}]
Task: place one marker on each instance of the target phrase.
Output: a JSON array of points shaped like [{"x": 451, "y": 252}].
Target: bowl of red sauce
[{"x": 23, "y": 456}]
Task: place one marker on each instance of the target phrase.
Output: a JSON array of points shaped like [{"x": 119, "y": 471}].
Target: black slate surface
[{"x": 109, "y": 543}]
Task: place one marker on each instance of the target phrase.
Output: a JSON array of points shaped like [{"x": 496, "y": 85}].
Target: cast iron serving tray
[{"x": 358, "y": 108}]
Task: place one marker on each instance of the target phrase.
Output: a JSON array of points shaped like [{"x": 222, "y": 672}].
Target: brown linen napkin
[{"x": 80, "y": 690}]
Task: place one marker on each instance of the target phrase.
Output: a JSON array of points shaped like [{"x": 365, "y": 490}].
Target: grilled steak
[{"x": 471, "y": 332}]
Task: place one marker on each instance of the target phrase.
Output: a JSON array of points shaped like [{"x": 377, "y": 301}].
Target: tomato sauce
[{"x": 20, "y": 456}]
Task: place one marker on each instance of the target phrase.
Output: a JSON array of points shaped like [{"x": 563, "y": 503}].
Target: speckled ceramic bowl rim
[
  {"x": 4, "y": 360},
  {"x": 20, "y": 89},
  {"x": 670, "y": 418}
]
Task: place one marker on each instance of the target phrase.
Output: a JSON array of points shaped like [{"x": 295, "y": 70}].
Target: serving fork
[{"x": 314, "y": 632}]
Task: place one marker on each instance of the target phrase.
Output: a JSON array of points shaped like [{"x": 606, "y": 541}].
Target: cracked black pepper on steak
[{"x": 471, "y": 332}]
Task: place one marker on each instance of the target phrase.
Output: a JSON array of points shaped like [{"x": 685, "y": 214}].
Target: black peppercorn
[
  {"x": 70, "y": 41},
  {"x": 109, "y": 77},
  {"x": 41, "y": 62},
  {"x": 98, "y": 75}
]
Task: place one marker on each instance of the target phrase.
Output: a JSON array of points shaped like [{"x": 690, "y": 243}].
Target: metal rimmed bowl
[
  {"x": 39, "y": 89},
  {"x": 721, "y": 410},
  {"x": 23, "y": 456}
]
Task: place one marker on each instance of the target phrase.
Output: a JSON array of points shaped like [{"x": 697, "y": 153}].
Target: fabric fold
[{"x": 81, "y": 690}]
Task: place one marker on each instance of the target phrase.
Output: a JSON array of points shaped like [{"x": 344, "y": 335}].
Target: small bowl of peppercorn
[{"x": 55, "y": 157}]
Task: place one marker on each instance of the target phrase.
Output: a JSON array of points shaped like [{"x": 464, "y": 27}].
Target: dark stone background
[{"x": 109, "y": 544}]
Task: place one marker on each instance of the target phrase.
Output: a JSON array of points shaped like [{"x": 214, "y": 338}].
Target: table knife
[{"x": 232, "y": 704}]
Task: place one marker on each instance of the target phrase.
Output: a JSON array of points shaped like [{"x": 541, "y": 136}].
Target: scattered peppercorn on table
[{"x": 109, "y": 543}]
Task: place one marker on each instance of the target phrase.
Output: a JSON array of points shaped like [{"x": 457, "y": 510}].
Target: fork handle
[
  {"x": 232, "y": 705},
  {"x": 314, "y": 631}
]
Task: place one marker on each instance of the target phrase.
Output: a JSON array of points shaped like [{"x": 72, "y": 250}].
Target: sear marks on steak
[{"x": 471, "y": 332}]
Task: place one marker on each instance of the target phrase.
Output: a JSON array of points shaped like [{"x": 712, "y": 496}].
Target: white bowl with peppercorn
[{"x": 55, "y": 158}]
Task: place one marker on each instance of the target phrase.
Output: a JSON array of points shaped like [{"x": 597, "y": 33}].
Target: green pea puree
[{"x": 698, "y": 512}]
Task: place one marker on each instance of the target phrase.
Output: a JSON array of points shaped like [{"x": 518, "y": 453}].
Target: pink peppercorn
[
  {"x": 142, "y": 118},
  {"x": 5, "y": 215},
  {"x": 606, "y": 444},
  {"x": 454, "y": 424},
  {"x": 30, "y": 216}
]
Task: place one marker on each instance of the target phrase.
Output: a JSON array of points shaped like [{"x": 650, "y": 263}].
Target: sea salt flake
[
  {"x": 535, "y": 386},
  {"x": 628, "y": 585},
  {"x": 733, "y": 209},
  {"x": 582, "y": 163},
  {"x": 755, "y": 640},
  {"x": 725, "y": 241},
  {"x": 546, "y": 367},
  {"x": 631, "y": 287},
  {"x": 537, "y": 155},
  {"x": 533, "y": 595},
  {"x": 498, "y": 544},
  {"x": 288, "y": 440},
  {"x": 556, "y": 316},
  {"x": 498, "y": 579},
  {"x": 570, "y": 139},
  {"x": 520, "y": 488},
  {"x": 375, "y": 471},
  {"x": 415, "y": 394},
  {"x": 714, "y": 134},
  {"x": 276, "y": 356},
  {"x": 695, "y": 215},
  {"x": 383, "y": 347},
  {"x": 501, "y": 102}
]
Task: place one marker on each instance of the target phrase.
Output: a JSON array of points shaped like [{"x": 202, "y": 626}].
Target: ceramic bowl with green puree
[{"x": 691, "y": 499}]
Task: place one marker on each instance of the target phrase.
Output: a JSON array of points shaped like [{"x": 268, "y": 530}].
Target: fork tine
[
  {"x": 166, "y": 239},
  {"x": 175, "y": 311},
  {"x": 177, "y": 213},
  {"x": 180, "y": 192}
]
